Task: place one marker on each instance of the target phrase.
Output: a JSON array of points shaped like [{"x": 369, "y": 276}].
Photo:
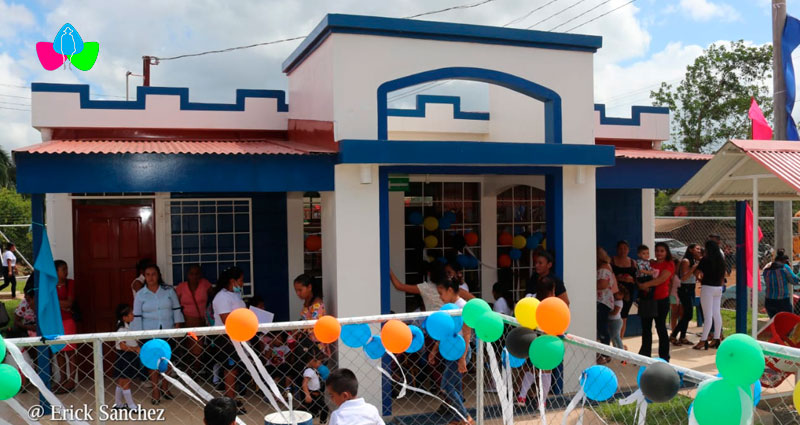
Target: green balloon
[
  {"x": 10, "y": 381},
  {"x": 546, "y": 352},
  {"x": 489, "y": 327},
  {"x": 740, "y": 360},
  {"x": 2, "y": 349},
  {"x": 718, "y": 403},
  {"x": 473, "y": 311}
]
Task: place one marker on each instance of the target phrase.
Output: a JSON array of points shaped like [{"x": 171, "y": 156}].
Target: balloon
[
  {"x": 440, "y": 326},
  {"x": 444, "y": 224},
  {"x": 324, "y": 372},
  {"x": 505, "y": 239},
  {"x": 463, "y": 260},
  {"x": 515, "y": 254},
  {"x": 417, "y": 339},
  {"x": 599, "y": 383},
  {"x": 474, "y": 263},
  {"x": 659, "y": 382},
  {"x": 490, "y": 327},
  {"x": 641, "y": 371},
  {"x": 458, "y": 322},
  {"x": 740, "y": 360},
  {"x": 503, "y": 261},
  {"x": 518, "y": 342},
  {"x": 374, "y": 348},
  {"x": 153, "y": 351},
  {"x": 327, "y": 329},
  {"x": 471, "y": 238},
  {"x": 552, "y": 316},
  {"x": 534, "y": 240},
  {"x": 396, "y": 336},
  {"x": 442, "y": 260},
  {"x": 10, "y": 381},
  {"x": 431, "y": 241},
  {"x": 450, "y": 217},
  {"x": 546, "y": 352},
  {"x": 525, "y": 312},
  {"x": 415, "y": 218},
  {"x": 796, "y": 398},
  {"x": 241, "y": 324},
  {"x": 473, "y": 310},
  {"x": 2, "y": 349},
  {"x": 452, "y": 347},
  {"x": 519, "y": 242},
  {"x": 754, "y": 393},
  {"x": 716, "y": 403},
  {"x": 355, "y": 336},
  {"x": 313, "y": 243},
  {"x": 430, "y": 223},
  {"x": 513, "y": 361}
]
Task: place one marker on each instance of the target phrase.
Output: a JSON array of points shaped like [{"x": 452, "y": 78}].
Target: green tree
[
  {"x": 14, "y": 209},
  {"x": 709, "y": 106},
  {"x": 8, "y": 171}
]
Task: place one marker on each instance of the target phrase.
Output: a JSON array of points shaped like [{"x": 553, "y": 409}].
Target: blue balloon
[
  {"x": 458, "y": 322},
  {"x": 599, "y": 383},
  {"x": 445, "y": 224},
  {"x": 474, "y": 262},
  {"x": 68, "y": 41},
  {"x": 355, "y": 335},
  {"x": 463, "y": 260},
  {"x": 417, "y": 339},
  {"x": 452, "y": 348},
  {"x": 440, "y": 326},
  {"x": 515, "y": 254},
  {"x": 449, "y": 217},
  {"x": 415, "y": 218},
  {"x": 374, "y": 348},
  {"x": 324, "y": 372},
  {"x": 442, "y": 260},
  {"x": 514, "y": 362},
  {"x": 152, "y": 353}
]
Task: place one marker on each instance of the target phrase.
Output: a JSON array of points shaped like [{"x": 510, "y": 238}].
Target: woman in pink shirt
[{"x": 193, "y": 296}]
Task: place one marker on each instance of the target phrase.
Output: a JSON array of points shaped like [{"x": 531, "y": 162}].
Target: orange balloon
[
  {"x": 471, "y": 238},
  {"x": 241, "y": 324},
  {"x": 396, "y": 336},
  {"x": 327, "y": 329},
  {"x": 552, "y": 315},
  {"x": 313, "y": 243},
  {"x": 504, "y": 260},
  {"x": 505, "y": 238}
]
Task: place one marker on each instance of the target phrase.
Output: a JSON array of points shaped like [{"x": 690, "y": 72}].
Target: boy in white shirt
[
  {"x": 342, "y": 386},
  {"x": 314, "y": 400}
]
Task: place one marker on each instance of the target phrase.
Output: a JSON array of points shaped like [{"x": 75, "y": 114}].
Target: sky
[{"x": 645, "y": 42}]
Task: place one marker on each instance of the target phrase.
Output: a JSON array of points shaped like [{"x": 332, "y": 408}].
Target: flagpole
[{"x": 783, "y": 209}]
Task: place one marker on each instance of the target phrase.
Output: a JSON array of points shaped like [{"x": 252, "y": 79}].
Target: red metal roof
[
  {"x": 172, "y": 146},
  {"x": 656, "y": 154},
  {"x": 782, "y": 158}
]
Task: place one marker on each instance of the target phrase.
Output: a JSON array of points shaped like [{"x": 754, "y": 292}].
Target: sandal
[
  {"x": 685, "y": 341},
  {"x": 675, "y": 341}
]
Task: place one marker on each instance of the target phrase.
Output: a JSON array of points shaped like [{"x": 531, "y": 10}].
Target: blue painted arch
[{"x": 551, "y": 99}]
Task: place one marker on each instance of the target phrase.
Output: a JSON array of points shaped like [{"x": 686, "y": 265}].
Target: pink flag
[
  {"x": 748, "y": 246},
  {"x": 761, "y": 128}
]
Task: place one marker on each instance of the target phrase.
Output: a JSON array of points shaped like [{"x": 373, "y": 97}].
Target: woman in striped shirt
[{"x": 778, "y": 281}]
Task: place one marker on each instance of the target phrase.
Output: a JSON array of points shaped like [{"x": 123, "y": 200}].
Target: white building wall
[
  {"x": 58, "y": 218},
  {"x": 648, "y": 218},
  {"x": 311, "y": 87},
  {"x": 515, "y": 117},
  {"x": 294, "y": 248}
]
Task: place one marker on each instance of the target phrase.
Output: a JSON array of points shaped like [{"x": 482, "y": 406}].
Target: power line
[
  {"x": 576, "y": 17},
  {"x": 18, "y": 104},
  {"x": 521, "y": 18},
  {"x": 558, "y": 13},
  {"x": 16, "y": 97},
  {"x": 447, "y": 9},
  {"x": 15, "y": 86},
  {"x": 14, "y": 109},
  {"x": 600, "y": 16}
]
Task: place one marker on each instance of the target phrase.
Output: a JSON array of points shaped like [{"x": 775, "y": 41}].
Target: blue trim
[
  {"x": 472, "y": 153},
  {"x": 636, "y": 114},
  {"x": 647, "y": 173},
  {"x": 386, "y": 303},
  {"x": 551, "y": 99},
  {"x": 142, "y": 92},
  {"x": 554, "y": 215},
  {"x": 424, "y": 99},
  {"x": 441, "y": 31},
  {"x": 742, "y": 301}
]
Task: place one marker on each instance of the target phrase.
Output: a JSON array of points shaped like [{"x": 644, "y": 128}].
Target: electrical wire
[
  {"x": 447, "y": 9},
  {"x": 14, "y": 109},
  {"x": 17, "y": 104},
  {"x": 558, "y": 13},
  {"x": 600, "y": 16},
  {"x": 576, "y": 17},
  {"x": 14, "y": 86},
  {"x": 16, "y": 97},
  {"x": 521, "y": 18}
]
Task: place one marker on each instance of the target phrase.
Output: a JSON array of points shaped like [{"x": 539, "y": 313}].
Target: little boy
[
  {"x": 220, "y": 411},
  {"x": 342, "y": 386},
  {"x": 314, "y": 400},
  {"x": 644, "y": 272}
]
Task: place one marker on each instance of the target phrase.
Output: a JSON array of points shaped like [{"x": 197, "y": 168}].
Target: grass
[
  {"x": 11, "y": 305},
  {"x": 674, "y": 411},
  {"x": 729, "y": 321}
]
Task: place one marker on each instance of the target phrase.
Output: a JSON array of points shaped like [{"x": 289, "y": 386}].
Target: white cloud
[
  {"x": 705, "y": 10},
  {"x": 14, "y": 17}
]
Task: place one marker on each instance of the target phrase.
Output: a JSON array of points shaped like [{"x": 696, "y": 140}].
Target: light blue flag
[{"x": 48, "y": 310}]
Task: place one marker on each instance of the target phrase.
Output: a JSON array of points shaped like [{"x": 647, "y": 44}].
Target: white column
[
  {"x": 294, "y": 244},
  {"x": 648, "y": 218},
  {"x": 58, "y": 207},
  {"x": 488, "y": 235},
  {"x": 164, "y": 237},
  {"x": 397, "y": 243}
]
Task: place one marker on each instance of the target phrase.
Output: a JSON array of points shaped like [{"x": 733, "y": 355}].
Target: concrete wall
[{"x": 619, "y": 216}]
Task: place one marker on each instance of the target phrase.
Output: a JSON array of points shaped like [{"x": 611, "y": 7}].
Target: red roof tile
[
  {"x": 782, "y": 158},
  {"x": 656, "y": 154},
  {"x": 172, "y": 146}
]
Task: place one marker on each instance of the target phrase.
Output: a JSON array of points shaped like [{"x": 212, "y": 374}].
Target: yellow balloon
[
  {"x": 519, "y": 242},
  {"x": 430, "y": 223},
  {"x": 796, "y": 397},
  {"x": 431, "y": 241},
  {"x": 525, "y": 312}
]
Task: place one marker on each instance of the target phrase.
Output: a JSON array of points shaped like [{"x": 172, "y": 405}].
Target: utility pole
[
  {"x": 783, "y": 209},
  {"x": 146, "y": 62}
]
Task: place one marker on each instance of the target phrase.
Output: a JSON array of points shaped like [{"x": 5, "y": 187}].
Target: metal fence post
[
  {"x": 479, "y": 366},
  {"x": 99, "y": 385}
]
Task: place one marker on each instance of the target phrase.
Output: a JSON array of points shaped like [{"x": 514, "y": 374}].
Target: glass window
[
  {"x": 312, "y": 226},
  {"x": 520, "y": 211}
]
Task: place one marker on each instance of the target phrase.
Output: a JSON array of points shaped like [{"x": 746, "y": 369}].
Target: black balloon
[
  {"x": 518, "y": 341},
  {"x": 660, "y": 382}
]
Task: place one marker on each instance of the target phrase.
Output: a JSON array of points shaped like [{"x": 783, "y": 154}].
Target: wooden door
[{"x": 109, "y": 240}]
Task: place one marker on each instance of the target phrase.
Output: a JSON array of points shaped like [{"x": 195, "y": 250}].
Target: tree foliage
[
  {"x": 709, "y": 106},
  {"x": 14, "y": 209},
  {"x": 8, "y": 171}
]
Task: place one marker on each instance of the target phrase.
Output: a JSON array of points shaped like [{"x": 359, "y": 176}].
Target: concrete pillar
[
  {"x": 488, "y": 236},
  {"x": 397, "y": 242},
  {"x": 648, "y": 219},
  {"x": 294, "y": 243},
  {"x": 58, "y": 207}
]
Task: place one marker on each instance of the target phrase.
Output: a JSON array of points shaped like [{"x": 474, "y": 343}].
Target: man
[
  {"x": 220, "y": 411},
  {"x": 10, "y": 269},
  {"x": 543, "y": 267}
]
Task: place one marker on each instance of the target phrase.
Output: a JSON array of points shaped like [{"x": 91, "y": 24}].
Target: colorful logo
[{"x": 68, "y": 46}]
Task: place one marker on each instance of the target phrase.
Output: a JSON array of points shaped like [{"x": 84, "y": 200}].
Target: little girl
[
  {"x": 127, "y": 365},
  {"x": 615, "y": 318}
]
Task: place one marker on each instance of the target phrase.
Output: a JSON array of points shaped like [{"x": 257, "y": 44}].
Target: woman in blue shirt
[
  {"x": 778, "y": 283},
  {"x": 156, "y": 306}
]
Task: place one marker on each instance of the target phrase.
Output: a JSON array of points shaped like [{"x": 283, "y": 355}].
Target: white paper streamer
[
  {"x": 28, "y": 371},
  {"x": 203, "y": 394},
  {"x": 259, "y": 382},
  {"x": 264, "y": 374},
  {"x": 21, "y": 411},
  {"x": 403, "y": 373},
  {"x": 509, "y": 387},
  {"x": 542, "y": 397},
  {"x": 505, "y": 404},
  {"x": 419, "y": 390},
  {"x": 641, "y": 406},
  {"x": 580, "y": 397}
]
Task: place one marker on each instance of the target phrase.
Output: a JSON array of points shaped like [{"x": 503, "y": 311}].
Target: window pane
[
  {"x": 189, "y": 224},
  {"x": 472, "y": 191},
  {"x": 208, "y": 223},
  {"x": 453, "y": 191},
  {"x": 191, "y": 244},
  {"x": 225, "y": 223}
]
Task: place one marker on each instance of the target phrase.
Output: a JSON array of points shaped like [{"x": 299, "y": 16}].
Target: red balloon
[
  {"x": 471, "y": 238},
  {"x": 505, "y": 238},
  {"x": 503, "y": 261},
  {"x": 313, "y": 243},
  {"x": 680, "y": 211}
]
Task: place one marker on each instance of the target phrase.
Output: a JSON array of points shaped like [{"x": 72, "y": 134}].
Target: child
[
  {"x": 453, "y": 370},
  {"x": 314, "y": 401},
  {"x": 546, "y": 288},
  {"x": 220, "y": 411},
  {"x": 675, "y": 310},
  {"x": 615, "y": 317},
  {"x": 127, "y": 365},
  {"x": 644, "y": 272},
  {"x": 277, "y": 351},
  {"x": 342, "y": 386},
  {"x": 25, "y": 320},
  {"x": 502, "y": 299}
]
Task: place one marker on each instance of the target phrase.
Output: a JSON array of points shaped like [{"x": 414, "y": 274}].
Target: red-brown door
[{"x": 109, "y": 240}]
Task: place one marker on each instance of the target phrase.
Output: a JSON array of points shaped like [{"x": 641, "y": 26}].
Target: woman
[
  {"x": 66, "y": 299},
  {"x": 606, "y": 288},
  {"x": 193, "y": 296},
  {"x": 686, "y": 293},
  {"x": 156, "y": 306},
  {"x": 778, "y": 282},
  {"x": 624, "y": 268},
  {"x": 227, "y": 296},
  {"x": 309, "y": 290},
  {"x": 435, "y": 271},
  {"x": 660, "y": 292},
  {"x": 543, "y": 267},
  {"x": 711, "y": 272},
  {"x": 10, "y": 269}
]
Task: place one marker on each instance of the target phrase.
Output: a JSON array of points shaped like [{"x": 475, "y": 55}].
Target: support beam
[
  {"x": 754, "y": 289},
  {"x": 721, "y": 181},
  {"x": 741, "y": 264}
]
